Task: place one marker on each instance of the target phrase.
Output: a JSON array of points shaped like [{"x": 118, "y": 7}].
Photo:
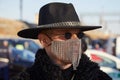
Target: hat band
[{"x": 60, "y": 24}]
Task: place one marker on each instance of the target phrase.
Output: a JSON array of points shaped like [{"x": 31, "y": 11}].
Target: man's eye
[{"x": 68, "y": 35}]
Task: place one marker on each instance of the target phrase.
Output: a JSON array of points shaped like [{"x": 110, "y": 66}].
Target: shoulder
[
  {"x": 87, "y": 66},
  {"x": 22, "y": 76},
  {"x": 102, "y": 75}
]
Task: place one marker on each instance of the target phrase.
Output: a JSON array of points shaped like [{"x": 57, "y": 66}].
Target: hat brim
[{"x": 33, "y": 32}]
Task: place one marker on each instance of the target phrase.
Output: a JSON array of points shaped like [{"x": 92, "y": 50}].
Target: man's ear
[
  {"x": 84, "y": 45},
  {"x": 44, "y": 40}
]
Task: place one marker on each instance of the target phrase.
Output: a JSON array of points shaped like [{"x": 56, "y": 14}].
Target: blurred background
[{"x": 103, "y": 44}]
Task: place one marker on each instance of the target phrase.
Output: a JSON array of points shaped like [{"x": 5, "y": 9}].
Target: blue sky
[{"x": 10, "y": 8}]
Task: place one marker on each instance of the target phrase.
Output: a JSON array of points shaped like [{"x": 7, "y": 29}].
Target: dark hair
[{"x": 84, "y": 45}]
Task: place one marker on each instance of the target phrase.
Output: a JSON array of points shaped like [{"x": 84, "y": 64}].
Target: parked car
[
  {"x": 103, "y": 58},
  {"x": 113, "y": 73},
  {"x": 108, "y": 63},
  {"x": 24, "y": 44},
  {"x": 23, "y": 58},
  {"x": 22, "y": 53}
]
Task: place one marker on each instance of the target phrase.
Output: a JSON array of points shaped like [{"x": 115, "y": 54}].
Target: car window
[
  {"x": 19, "y": 47},
  {"x": 26, "y": 44},
  {"x": 33, "y": 47},
  {"x": 103, "y": 61}
]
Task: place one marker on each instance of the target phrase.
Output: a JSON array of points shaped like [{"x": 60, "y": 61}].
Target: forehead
[{"x": 64, "y": 30}]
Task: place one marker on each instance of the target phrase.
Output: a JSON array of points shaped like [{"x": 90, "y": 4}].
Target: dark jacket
[{"x": 44, "y": 69}]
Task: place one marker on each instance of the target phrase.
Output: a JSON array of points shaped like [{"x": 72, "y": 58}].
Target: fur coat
[{"x": 44, "y": 69}]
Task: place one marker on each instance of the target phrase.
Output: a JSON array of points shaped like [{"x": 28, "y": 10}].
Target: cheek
[{"x": 59, "y": 39}]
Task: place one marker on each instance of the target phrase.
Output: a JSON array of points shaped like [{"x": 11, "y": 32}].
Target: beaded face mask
[{"x": 69, "y": 51}]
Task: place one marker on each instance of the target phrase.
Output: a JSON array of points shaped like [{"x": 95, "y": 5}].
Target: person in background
[
  {"x": 4, "y": 60},
  {"x": 62, "y": 57},
  {"x": 98, "y": 47}
]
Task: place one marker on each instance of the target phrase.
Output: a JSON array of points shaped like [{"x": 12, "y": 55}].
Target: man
[{"x": 60, "y": 33}]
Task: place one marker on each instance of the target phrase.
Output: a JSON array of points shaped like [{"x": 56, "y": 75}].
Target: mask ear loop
[
  {"x": 49, "y": 38},
  {"x": 76, "y": 64}
]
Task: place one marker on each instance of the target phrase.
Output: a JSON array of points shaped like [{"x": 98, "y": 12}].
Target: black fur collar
[{"x": 44, "y": 69}]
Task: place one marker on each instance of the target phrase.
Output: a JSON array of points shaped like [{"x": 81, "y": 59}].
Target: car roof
[{"x": 93, "y": 51}]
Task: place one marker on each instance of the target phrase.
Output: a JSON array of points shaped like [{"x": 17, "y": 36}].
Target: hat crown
[
  {"x": 55, "y": 15},
  {"x": 57, "y": 12}
]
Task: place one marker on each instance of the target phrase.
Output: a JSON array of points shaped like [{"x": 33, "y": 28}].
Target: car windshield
[{"x": 26, "y": 44}]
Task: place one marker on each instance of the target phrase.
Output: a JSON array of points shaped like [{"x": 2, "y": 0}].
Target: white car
[
  {"x": 113, "y": 73},
  {"x": 103, "y": 58},
  {"x": 108, "y": 63}
]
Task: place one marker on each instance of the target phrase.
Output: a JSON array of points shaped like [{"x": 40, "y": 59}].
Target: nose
[{"x": 74, "y": 36}]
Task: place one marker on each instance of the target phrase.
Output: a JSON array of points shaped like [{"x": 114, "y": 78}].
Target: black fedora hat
[{"x": 55, "y": 15}]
